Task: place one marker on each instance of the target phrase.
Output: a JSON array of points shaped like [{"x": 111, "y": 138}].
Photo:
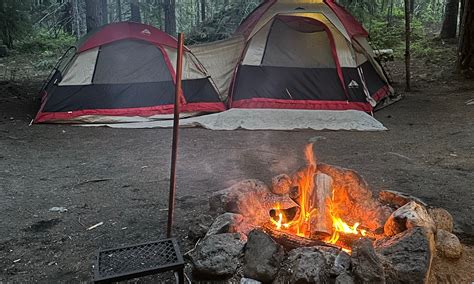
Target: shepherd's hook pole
[{"x": 174, "y": 150}]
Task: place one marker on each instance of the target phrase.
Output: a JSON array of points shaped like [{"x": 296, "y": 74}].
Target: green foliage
[
  {"x": 44, "y": 42},
  {"x": 223, "y": 24},
  {"x": 387, "y": 27},
  {"x": 14, "y": 20},
  {"x": 44, "y": 49}
]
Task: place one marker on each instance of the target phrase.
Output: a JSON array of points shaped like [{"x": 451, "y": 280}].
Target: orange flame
[{"x": 301, "y": 225}]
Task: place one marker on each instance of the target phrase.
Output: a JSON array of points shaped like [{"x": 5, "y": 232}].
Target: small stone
[
  {"x": 408, "y": 216},
  {"x": 442, "y": 219},
  {"x": 448, "y": 244},
  {"x": 225, "y": 223},
  {"x": 344, "y": 278},
  {"x": 397, "y": 198},
  {"x": 199, "y": 227},
  {"x": 366, "y": 265},
  {"x": 217, "y": 255},
  {"x": 249, "y": 281},
  {"x": 262, "y": 257},
  {"x": 304, "y": 265},
  {"x": 407, "y": 256},
  {"x": 282, "y": 184}
]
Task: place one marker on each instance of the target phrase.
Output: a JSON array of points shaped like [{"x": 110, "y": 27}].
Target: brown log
[{"x": 290, "y": 241}]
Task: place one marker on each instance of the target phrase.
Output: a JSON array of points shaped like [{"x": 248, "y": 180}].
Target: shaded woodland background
[{"x": 37, "y": 32}]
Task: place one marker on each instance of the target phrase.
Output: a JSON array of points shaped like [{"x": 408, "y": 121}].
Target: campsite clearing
[{"x": 120, "y": 177}]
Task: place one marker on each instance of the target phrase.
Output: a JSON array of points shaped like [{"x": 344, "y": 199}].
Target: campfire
[
  {"x": 318, "y": 214},
  {"x": 320, "y": 224}
]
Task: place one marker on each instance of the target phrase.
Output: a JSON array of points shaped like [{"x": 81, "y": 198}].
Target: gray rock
[
  {"x": 199, "y": 227},
  {"x": 442, "y": 218},
  {"x": 407, "y": 256},
  {"x": 217, "y": 255},
  {"x": 397, "y": 198},
  {"x": 250, "y": 198},
  {"x": 225, "y": 223},
  {"x": 304, "y": 265},
  {"x": 249, "y": 281},
  {"x": 448, "y": 244},
  {"x": 366, "y": 265},
  {"x": 262, "y": 257},
  {"x": 344, "y": 278},
  {"x": 282, "y": 184},
  {"x": 337, "y": 260},
  {"x": 408, "y": 216}
]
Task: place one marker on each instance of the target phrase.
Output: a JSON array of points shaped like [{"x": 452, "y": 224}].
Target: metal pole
[{"x": 174, "y": 151}]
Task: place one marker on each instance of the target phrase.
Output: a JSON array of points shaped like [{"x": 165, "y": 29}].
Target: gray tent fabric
[
  {"x": 313, "y": 46},
  {"x": 116, "y": 66},
  {"x": 270, "y": 119}
]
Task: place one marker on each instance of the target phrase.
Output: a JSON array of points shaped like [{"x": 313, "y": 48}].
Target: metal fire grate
[{"x": 138, "y": 260}]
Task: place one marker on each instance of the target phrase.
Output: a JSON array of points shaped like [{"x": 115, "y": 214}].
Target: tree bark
[
  {"x": 466, "y": 42},
  {"x": 104, "y": 12},
  {"x": 135, "y": 11},
  {"x": 450, "y": 23},
  {"x": 203, "y": 11},
  {"x": 170, "y": 16},
  {"x": 93, "y": 14},
  {"x": 407, "y": 45},
  {"x": 119, "y": 10}
]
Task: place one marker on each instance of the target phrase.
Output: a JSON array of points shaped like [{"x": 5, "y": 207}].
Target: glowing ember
[{"x": 302, "y": 224}]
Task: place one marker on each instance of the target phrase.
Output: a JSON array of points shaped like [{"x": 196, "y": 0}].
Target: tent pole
[{"x": 174, "y": 150}]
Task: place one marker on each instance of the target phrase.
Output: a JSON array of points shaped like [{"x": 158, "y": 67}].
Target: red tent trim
[
  {"x": 301, "y": 104},
  {"x": 126, "y": 30},
  {"x": 143, "y": 112},
  {"x": 353, "y": 26}
]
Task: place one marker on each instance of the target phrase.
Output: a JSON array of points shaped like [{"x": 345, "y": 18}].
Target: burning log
[
  {"x": 319, "y": 199},
  {"x": 291, "y": 241}
]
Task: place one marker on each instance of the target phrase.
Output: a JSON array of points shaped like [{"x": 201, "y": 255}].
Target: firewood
[
  {"x": 321, "y": 194},
  {"x": 290, "y": 241}
]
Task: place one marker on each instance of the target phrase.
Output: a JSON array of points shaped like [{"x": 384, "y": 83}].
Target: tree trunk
[
  {"x": 93, "y": 14},
  {"x": 119, "y": 10},
  {"x": 76, "y": 19},
  {"x": 170, "y": 16},
  {"x": 466, "y": 43},
  {"x": 104, "y": 12},
  {"x": 412, "y": 7},
  {"x": 203, "y": 11},
  {"x": 67, "y": 17},
  {"x": 407, "y": 45},
  {"x": 135, "y": 11},
  {"x": 450, "y": 23}
]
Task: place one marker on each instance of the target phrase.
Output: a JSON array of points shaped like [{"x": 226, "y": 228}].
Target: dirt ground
[{"x": 120, "y": 177}]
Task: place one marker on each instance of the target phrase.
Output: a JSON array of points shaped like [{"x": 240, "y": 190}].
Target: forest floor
[{"x": 121, "y": 177}]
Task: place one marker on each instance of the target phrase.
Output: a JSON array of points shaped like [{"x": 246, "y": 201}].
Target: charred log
[{"x": 290, "y": 241}]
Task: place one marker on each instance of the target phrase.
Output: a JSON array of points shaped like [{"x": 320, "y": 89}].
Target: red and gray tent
[
  {"x": 306, "y": 55},
  {"x": 125, "y": 70}
]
